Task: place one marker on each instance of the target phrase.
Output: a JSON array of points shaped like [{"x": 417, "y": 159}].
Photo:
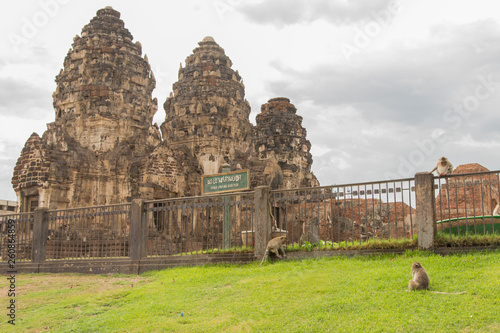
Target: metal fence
[
  {"x": 16, "y": 230},
  {"x": 345, "y": 213},
  {"x": 90, "y": 232},
  {"x": 199, "y": 224},
  {"x": 325, "y": 216},
  {"x": 465, "y": 203}
]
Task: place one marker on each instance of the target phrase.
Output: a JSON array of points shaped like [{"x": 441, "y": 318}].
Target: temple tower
[
  {"x": 281, "y": 141},
  {"x": 103, "y": 94},
  {"x": 94, "y": 151},
  {"x": 207, "y": 111}
]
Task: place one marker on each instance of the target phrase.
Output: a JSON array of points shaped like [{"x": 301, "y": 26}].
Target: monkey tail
[
  {"x": 264, "y": 257},
  {"x": 443, "y": 293}
]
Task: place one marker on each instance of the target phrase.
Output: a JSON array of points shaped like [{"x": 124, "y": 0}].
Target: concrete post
[
  {"x": 138, "y": 230},
  {"x": 263, "y": 221},
  {"x": 426, "y": 210},
  {"x": 40, "y": 233},
  {"x": 226, "y": 214}
]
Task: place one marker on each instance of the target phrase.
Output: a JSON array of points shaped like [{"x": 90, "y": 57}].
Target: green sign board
[{"x": 233, "y": 181}]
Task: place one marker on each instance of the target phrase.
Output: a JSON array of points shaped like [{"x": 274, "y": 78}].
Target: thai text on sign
[{"x": 225, "y": 182}]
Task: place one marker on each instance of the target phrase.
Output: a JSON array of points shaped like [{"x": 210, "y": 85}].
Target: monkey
[
  {"x": 274, "y": 245},
  {"x": 443, "y": 167},
  {"x": 496, "y": 210},
  {"x": 364, "y": 234},
  {"x": 421, "y": 280}
]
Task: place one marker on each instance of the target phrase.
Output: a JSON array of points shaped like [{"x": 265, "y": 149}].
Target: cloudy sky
[{"x": 385, "y": 87}]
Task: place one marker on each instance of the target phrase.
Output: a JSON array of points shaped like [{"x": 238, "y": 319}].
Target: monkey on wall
[
  {"x": 420, "y": 280},
  {"x": 274, "y": 245},
  {"x": 443, "y": 167}
]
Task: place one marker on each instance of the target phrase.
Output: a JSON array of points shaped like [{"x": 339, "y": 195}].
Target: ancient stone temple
[{"x": 102, "y": 147}]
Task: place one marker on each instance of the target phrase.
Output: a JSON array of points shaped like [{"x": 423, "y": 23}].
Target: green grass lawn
[{"x": 335, "y": 294}]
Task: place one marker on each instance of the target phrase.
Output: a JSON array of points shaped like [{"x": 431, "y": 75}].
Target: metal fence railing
[
  {"x": 89, "y": 232},
  {"x": 465, "y": 203},
  {"x": 16, "y": 236},
  {"x": 199, "y": 224},
  {"x": 345, "y": 213}
]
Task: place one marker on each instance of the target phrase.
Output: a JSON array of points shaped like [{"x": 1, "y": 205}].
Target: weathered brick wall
[{"x": 467, "y": 195}]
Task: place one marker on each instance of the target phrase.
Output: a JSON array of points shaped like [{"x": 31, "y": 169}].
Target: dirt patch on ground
[{"x": 28, "y": 283}]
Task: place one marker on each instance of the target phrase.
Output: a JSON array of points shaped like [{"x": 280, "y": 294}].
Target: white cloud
[{"x": 289, "y": 12}]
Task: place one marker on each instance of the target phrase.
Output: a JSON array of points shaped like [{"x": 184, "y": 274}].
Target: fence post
[
  {"x": 226, "y": 230},
  {"x": 426, "y": 210},
  {"x": 40, "y": 233},
  {"x": 138, "y": 230},
  {"x": 262, "y": 220}
]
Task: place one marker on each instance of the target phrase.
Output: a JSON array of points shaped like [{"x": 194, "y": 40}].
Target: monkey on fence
[
  {"x": 443, "y": 167},
  {"x": 274, "y": 245},
  {"x": 420, "y": 280}
]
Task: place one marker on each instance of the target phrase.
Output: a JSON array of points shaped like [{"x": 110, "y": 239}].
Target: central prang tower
[{"x": 207, "y": 111}]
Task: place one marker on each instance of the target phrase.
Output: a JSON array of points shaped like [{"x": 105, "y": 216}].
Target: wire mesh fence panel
[
  {"x": 331, "y": 215},
  {"x": 465, "y": 203},
  {"x": 16, "y": 232},
  {"x": 90, "y": 232},
  {"x": 199, "y": 224}
]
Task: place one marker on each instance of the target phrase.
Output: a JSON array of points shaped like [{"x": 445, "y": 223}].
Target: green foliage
[
  {"x": 330, "y": 294},
  {"x": 233, "y": 249},
  {"x": 453, "y": 240},
  {"x": 442, "y": 239},
  {"x": 372, "y": 244}
]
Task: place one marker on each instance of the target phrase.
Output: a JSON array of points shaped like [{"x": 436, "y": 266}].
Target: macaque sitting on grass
[{"x": 420, "y": 280}]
